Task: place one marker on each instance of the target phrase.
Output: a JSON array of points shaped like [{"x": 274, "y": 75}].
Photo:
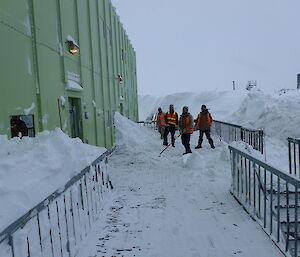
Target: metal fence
[
  {"x": 294, "y": 156},
  {"x": 231, "y": 132},
  {"x": 56, "y": 226},
  {"x": 253, "y": 137},
  {"x": 148, "y": 124},
  {"x": 226, "y": 131},
  {"x": 271, "y": 197}
]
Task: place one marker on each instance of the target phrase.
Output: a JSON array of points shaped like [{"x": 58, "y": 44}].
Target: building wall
[{"x": 36, "y": 66}]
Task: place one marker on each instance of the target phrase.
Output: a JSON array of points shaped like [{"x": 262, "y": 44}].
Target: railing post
[{"x": 290, "y": 156}]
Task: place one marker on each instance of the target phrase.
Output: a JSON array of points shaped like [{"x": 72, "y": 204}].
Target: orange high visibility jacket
[
  {"x": 161, "y": 119},
  {"x": 172, "y": 118},
  {"x": 188, "y": 124},
  {"x": 208, "y": 121}
]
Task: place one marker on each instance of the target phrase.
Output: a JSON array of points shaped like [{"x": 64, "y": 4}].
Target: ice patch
[
  {"x": 29, "y": 110},
  {"x": 29, "y": 68},
  {"x": 45, "y": 119},
  {"x": 62, "y": 100}
]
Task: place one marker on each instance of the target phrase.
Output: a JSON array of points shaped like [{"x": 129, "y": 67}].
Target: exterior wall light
[
  {"x": 120, "y": 78},
  {"x": 73, "y": 47}
]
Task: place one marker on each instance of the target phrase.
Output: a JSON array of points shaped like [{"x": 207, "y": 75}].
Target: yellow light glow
[{"x": 74, "y": 51}]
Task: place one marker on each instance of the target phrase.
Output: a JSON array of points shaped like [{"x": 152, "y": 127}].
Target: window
[{"x": 22, "y": 125}]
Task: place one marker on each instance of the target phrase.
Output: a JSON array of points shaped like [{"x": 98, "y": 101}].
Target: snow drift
[
  {"x": 277, "y": 114},
  {"x": 33, "y": 168}
]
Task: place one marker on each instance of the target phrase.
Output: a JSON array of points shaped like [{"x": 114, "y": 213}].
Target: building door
[{"x": 75, "y": 117}]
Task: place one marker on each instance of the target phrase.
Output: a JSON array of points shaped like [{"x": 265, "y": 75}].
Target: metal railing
[
  {"x": 294, "y": 156},
  {"x": 253, "y": 137},
  {"x": 231, "y": 132},
  {"x": 270, "y": 196},
  {"x": 56, "y": 226},
  {"x": 148, "y": 124},
  {"x": 226, "y": 131}
]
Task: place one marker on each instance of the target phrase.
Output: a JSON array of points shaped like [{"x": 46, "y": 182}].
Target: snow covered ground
[
  {"x": 278, "y": 114},
  {"x": 163, "y": 208},
  {"x": 33, "y": 168}
]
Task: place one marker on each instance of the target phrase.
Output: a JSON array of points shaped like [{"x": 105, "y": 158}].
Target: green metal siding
[{"x": 36, "y": 65}]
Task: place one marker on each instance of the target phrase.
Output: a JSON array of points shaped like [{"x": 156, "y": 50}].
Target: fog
[{"x": 195, "y": 45}]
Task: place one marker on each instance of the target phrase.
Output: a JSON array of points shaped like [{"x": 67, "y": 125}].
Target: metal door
[{"x": 75, "y": 117}]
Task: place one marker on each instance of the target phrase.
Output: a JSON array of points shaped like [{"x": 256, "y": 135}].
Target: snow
[
  {"x": 277, "y": 114},
  {"x": 29, "y": 68},
  {"x": 163, "y": 207},
  {"x": 45, "y": 119},
  {"x": 71, "y": 39},
  {"x": 72, "y": 85},
  {"x": 33, "y": 168},
  {"x": 62, "y": 100},
  {"x": 28, "y": 110}
]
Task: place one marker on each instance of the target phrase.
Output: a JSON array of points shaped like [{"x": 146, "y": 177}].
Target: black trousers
[
  {"x": 207, "y": 134},
  {"x": 171, "y": 129},
  {"x": 185, "y": 139}
]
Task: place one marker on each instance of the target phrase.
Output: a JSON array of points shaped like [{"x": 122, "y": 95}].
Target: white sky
[{"x": 195, "y": 45}]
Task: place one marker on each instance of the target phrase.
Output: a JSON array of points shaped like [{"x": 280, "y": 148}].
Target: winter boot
[
  {"x": 211, "y": 142},
  {"x": 165, "y": 142},
  {"x": 188, "y": 150},
  {"x": 199, "y": 144},
  {"x": 173, "y": 142}
]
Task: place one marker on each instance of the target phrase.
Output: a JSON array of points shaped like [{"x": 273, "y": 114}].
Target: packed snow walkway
[{"x": 161, "y": 208}]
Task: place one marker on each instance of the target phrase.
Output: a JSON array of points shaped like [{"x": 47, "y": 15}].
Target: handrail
[
  {"x": 294, "y": 140},
  {"x": 294, "y": 155},
  {"x": 231, "y": 132},
  {"x": 89, "y": 183},
  {"x": 227, "y": 123},
  {"x": 292, "y": 180},
  {"x": 270, "y": 196},
  {"x": 19, "y": 223}
]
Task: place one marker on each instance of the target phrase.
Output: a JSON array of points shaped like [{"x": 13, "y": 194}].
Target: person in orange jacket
[
  {"x": 171, "y": 121},
  {"x": 161, "y": 122},
  {"x": 204, "y": 122},
  {"x": 186, "y": 128}
]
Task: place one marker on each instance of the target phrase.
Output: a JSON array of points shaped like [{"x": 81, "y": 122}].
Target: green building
[{"x": 67, "y": 64}]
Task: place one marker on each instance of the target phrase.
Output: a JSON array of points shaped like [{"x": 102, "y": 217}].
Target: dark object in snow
[
  {"x": 18, "y": 127},
  {"x": 251, "y": 84}
]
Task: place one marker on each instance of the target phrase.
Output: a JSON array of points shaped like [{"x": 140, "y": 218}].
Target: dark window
[{"x": 22, "y": 125}]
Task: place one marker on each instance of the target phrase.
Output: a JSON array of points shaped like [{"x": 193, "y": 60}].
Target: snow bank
[
  {"x": 133, "y": 136},
  {"x": 277, "y": 114},
  {"x": 33, "y": 168}
]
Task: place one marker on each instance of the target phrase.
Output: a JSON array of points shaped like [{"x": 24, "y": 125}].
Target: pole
[
  {"x": 168, "y": 145},
  {"x": 233, "y": 85},
  {"x": 58, "y": 105}
]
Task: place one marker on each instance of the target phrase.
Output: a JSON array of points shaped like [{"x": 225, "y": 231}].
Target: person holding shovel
[{"x": 186, "y": 128}]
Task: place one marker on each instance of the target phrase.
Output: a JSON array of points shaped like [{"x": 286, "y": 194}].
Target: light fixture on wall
[
  {"x": 120, "y": 78},
  {"x": 73, "y": 47}
]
